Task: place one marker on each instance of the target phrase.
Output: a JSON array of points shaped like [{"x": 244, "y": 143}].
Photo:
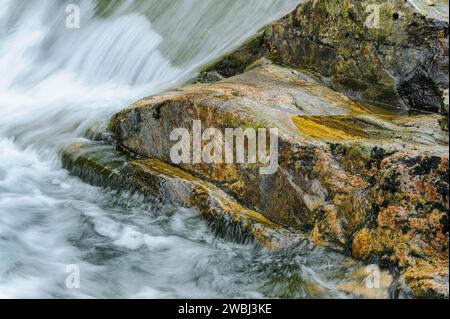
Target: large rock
[
  {"x": 370, "y": 182},
  {"x": 388, "y": 52}
]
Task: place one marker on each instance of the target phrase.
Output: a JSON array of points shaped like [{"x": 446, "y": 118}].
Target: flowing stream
[{"x": 55, "y": 84}]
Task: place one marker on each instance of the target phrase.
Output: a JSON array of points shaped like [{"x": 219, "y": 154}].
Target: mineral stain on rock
[
  {"x": 358, "y": 171},
  {"x": 351, "y": 175}
]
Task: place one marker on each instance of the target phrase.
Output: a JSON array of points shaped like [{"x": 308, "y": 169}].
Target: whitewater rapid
[{"x": 57, "y": 83}]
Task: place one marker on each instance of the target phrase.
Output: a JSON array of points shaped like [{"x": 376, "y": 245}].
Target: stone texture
[
  {"x": 358, "y": 177},
  {"x": 102, "y": 165},
  {"x": 398, "y": 57}
]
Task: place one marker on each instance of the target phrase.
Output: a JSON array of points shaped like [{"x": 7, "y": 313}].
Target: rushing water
[{"x": 56, "y": 83}]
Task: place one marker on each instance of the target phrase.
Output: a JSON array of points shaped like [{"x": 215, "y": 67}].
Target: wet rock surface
[
  {"x": 102, "y": 165},
  {"x": 365, "y": 180},
  {"x": 357, "y": 171},
  {"x": 388, "y": 52}
]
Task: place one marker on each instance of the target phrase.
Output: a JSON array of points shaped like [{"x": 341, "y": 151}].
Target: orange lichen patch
[
  {"x": 362, "y": 244},
  {"x": 386, "y": 243},
  {"x": 392, "y": 216},
  {"x": 421, "y": 278},
  {"x": 328, "y": 229},
  {"x": 329, "y": 128},
  {"x": 419, "y": 224},
  {"x": 431, "y": 192},
  {"x": 357, "y": 182}
]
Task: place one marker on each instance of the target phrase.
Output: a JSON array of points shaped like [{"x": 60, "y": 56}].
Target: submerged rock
[{"x": 354, "y": 176}]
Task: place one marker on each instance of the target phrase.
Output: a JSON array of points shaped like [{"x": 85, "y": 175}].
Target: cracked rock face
[{"x": 358, "y": 177}]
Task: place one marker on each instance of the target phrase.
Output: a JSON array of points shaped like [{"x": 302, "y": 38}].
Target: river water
[{"x": 55, "y": 84}]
